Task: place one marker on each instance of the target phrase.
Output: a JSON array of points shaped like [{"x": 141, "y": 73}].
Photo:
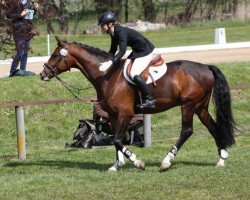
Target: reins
[
  {"x": 67, "y": 86},
  {"x": 53, "y": 72}
]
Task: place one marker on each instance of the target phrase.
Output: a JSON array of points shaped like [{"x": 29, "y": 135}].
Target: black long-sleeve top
[{"x": 124, "y": 37}]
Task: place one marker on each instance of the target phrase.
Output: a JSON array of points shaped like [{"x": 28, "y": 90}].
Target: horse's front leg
[
  {"x": 120, "y": 126},
  {"x": 119, "y": 161}
]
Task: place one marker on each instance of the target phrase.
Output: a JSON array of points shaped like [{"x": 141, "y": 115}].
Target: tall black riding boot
[{"x": 148, "y": 101}]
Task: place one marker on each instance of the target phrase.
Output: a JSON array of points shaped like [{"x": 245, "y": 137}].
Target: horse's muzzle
[{"x": 44, "y": 76}]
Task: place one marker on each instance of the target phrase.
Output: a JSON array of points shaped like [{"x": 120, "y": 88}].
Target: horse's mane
[{"x": 99, "y": 54}]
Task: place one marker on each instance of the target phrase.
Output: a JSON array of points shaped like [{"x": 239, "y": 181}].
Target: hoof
[
  {"x": 139, "y": 164},
  {"x": 116, "y": 166},
  {"x": 165, "y": 166},
  {"x": 221, "y": 163},
  {"x": 112, "y": 169}
]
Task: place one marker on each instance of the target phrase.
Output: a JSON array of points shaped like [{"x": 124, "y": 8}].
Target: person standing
[
  {"x": 141, "y": 53},
  {"x": 21, "y": 14}
]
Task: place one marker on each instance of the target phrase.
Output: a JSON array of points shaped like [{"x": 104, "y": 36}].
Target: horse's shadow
[
  {"x": 97, "y": 166},
  {"x": 193, "y": 163},
  {"x": 175, "y": 164},
  {"x": 60, "y": 164}
]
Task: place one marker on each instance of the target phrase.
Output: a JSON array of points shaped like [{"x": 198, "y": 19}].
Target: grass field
[
  {"x": 196, "y": 34},
  {"x": 192, "y": 34},
  {"x": 53, "y": 172}
]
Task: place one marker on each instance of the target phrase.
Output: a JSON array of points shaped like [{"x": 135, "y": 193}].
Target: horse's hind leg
[
  {"x": 187, "y": 129},
  {"x": 120, "y": 125},
  {"x": 211, "y": 125}
]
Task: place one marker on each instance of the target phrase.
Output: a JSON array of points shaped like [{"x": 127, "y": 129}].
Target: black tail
[{"x": 224, "y": 117}]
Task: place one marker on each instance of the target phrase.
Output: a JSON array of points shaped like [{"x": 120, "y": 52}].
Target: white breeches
[{"x": 140, "y": 65}]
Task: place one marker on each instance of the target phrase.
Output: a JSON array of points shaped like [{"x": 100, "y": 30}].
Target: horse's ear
[
  {"x": 61, "y": 43},
  {"x": 57, "y": 39}
]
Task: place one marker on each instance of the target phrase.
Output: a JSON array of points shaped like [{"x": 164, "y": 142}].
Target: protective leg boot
[{"x": 148, "y": 101}]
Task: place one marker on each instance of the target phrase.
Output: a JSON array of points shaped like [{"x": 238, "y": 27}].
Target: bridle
[
  {"x": 53, "y": 69},
  {"x": 53, "y": 72}
]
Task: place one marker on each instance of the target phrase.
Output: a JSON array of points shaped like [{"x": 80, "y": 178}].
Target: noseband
[{"x": 53, "y": 69}]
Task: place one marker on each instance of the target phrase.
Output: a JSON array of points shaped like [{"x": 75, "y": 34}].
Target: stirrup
[{"x": 147, "y": 104}]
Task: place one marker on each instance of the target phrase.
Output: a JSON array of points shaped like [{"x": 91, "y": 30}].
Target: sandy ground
[{"x": 211, "y": 56}]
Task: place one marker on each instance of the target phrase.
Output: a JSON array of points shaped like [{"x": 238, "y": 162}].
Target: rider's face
[{"x": 106, "y": 27}]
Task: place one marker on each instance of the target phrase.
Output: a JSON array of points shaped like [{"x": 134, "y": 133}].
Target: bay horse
[{"x": 186, "y": 84}]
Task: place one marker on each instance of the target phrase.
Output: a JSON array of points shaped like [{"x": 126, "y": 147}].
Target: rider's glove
[{"x": 104, "y": 66}]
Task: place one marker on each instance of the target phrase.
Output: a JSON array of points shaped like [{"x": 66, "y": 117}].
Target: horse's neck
[
  {"x": 87, "y": 66},
  {"x": 90, "y": 69}
]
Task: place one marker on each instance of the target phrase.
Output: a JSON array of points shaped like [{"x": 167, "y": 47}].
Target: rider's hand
[
  {"x": 104, "y": 66},
  {"x": 24, "y": 13}
]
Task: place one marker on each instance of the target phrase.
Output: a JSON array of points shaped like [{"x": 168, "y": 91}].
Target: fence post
[
  {"x": 21, "y": 146},
  {"x": 147, "y": 130},
  {"x": 48, "y": 44}
]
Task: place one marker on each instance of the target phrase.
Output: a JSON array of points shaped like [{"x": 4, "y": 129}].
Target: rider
[{"x": 141, "y": 53}]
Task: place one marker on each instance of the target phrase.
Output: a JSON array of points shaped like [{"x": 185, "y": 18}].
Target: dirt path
[{"x": 211, "y": 56}]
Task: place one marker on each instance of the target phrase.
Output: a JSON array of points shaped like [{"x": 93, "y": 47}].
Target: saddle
[{"x": 158, "y": 66}]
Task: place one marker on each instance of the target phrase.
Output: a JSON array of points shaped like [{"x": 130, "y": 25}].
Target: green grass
[
  {"x": 53, "y": 172},
  {"x": 192, "y": 34}
]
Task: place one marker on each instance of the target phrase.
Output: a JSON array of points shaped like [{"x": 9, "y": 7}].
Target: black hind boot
[{"x": 148, "y": 101}]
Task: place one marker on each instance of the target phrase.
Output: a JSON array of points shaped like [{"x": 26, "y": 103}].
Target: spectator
[{"x": 21, "y": 14}]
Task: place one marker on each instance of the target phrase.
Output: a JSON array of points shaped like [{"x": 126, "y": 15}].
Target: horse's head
[{"x": 58, "y": 62}]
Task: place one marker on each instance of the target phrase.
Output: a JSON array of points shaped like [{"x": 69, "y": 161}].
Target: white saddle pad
[{"x": 156, "y": 72}]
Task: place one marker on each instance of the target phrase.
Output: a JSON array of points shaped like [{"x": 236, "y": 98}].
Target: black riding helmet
[{"x": 107, "y": 17}]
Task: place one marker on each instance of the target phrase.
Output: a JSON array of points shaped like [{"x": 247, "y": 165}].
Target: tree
[
  {"x": 78, "y": 15},
  {"x": 109, "y": 5},
  {"x": 60, "y": 8},
  {"x": 205, "y": 9},
  {"x": 126, "y": 11},
  {"x": 166, "y": 9},
  {"x": 63, "y": 10},
  {"x": 7, "y": 45},
  {"x": 149, "y": 10}
]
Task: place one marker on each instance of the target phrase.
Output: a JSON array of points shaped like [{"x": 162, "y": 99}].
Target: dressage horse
[{"x": 186, "y": 84}]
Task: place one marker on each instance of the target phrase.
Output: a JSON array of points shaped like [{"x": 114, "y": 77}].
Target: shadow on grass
[
  {"x": 176, "y": 164},
  {"x": 60, "y": 164},
  {"x": 198, "y": 164},
  {"x": 97, "y": 166}
]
